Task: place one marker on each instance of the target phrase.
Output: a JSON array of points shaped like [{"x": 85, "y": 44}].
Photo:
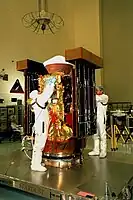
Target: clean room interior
[{"x": 101, "y": 27}]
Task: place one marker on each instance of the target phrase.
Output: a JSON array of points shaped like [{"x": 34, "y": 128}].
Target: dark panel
[
  {"x": 92, "y": 102},
  {"x": 85, "y": 92},
  {"x": 67, "y": 95}
]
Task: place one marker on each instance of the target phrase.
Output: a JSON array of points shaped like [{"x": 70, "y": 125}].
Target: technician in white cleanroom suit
[
  {"x": 100, "y": 144},
  {"x": 39, "y": 105}
]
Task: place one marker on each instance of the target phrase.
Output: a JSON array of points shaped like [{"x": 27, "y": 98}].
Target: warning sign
[{"x": 17, "y": 88}]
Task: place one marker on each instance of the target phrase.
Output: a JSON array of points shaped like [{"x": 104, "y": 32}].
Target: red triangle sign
[{"x": 17, "y": 88}]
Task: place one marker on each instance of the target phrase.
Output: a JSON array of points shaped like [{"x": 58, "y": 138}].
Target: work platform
[{"x": 57, "y": 183}]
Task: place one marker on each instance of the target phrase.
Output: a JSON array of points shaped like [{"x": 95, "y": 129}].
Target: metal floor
[
  {"x": 7, "y": 193},
  {"x": 116, "y": 169}
]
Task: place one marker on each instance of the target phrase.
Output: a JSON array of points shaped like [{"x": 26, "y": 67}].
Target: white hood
[{"x": 56, "y": 60}]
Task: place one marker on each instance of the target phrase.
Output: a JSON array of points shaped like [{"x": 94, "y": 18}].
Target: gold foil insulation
[{"x": 58, "y": 130}]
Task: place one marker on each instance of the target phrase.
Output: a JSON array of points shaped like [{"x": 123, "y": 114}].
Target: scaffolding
[{"x": 120, "y": 129}]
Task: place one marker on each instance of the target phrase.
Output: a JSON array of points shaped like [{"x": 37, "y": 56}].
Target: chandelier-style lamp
[{"x": 42, "y": 21}]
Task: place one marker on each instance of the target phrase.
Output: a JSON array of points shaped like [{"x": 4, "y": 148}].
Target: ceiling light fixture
[{"x": 42, "y": 21}]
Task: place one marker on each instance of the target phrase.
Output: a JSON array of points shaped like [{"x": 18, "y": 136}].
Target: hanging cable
[
  {"x": 39, "y": 6},
  {"x": 46, "y": 5}
]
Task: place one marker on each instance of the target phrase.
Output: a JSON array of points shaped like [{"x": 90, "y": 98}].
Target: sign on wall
[{"x": 17, "y": 88}]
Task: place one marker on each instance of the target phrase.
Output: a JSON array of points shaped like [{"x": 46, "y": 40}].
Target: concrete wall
[
  {"x": 81, "y": 28},
  {"x": 18, "y": 43},
  {"x": 87, "y": 27},
  {"x": 117, "y": 21}
]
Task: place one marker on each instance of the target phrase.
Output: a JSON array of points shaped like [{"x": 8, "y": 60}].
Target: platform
[{"x": 57, "y": 183}]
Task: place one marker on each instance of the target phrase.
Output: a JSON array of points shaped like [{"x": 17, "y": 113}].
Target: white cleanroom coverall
[
  {"x": 39, "y": 105},
  {"x": 100, "y": 144}
]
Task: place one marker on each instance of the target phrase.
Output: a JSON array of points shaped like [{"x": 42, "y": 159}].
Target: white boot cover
[
  {"x": 36, "y": 162},
  {"x": 95, "y": 151}
]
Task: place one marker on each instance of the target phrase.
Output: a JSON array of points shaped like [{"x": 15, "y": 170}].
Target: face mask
[{"x": 98, "y": 92}]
